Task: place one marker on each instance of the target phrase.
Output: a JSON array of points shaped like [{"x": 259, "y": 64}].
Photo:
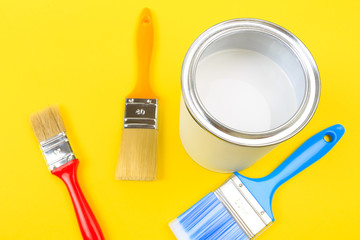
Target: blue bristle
[{"x": 209, "y": 220}]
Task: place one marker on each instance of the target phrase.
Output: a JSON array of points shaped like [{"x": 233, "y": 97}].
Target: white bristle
[
  {"x": 178, "y": 230},
  {"x": 207, "y": 219}
]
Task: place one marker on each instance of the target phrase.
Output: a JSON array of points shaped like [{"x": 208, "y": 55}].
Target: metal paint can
[{"x": 247, "y": 133}]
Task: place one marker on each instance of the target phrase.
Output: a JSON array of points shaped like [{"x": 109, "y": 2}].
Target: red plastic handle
[{"x": 89, "y": 227}]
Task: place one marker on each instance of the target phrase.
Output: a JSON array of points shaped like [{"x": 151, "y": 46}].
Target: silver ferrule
[
  {"x": 141, "y": 113},
  {"x": 243, "y": 207},
  {"x": 57, "y": 151}
]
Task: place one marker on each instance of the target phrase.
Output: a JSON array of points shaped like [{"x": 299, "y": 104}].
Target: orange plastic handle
[{"x": 145, "y": 41}]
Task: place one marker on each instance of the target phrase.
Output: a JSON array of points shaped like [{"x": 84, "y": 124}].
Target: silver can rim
[{"x": 256, "y": 139}]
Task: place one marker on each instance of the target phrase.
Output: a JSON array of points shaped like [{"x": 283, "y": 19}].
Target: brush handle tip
[
  {"x": 144, "y": 44},
  {"x": 308, "y": 153}
]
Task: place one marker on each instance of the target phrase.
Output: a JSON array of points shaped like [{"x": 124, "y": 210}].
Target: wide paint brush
[{"x": 241, "y": 208}]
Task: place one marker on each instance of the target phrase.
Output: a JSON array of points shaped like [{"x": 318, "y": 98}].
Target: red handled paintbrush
[{"x": 49, "y": 129}]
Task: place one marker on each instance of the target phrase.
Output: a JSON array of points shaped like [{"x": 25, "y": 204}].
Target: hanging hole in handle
[{"x": 329, "y": 137}]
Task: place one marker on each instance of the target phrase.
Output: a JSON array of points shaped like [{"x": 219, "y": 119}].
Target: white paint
[{"x": 245, "y": 90}]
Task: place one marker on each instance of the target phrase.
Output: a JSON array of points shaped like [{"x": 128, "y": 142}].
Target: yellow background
[{"x": 81, "y": 55}]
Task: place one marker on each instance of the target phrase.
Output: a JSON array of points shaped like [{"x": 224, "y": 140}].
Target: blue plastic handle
[{"x": 309, "y": 152}]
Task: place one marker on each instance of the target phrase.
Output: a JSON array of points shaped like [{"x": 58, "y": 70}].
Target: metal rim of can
[{"x": 255, "y": 139}]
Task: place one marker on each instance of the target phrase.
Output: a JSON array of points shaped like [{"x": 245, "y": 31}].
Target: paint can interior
[{"x": 247, "y": 85}]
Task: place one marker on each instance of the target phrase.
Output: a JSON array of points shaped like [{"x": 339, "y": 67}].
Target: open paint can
[{"x": 247, "y": 85}]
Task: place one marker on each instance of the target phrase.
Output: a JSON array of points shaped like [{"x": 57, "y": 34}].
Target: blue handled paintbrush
[{"x": 241, "y": 208}]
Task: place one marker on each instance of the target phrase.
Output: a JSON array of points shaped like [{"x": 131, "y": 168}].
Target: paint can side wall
[{"x": 212, "y": 152}]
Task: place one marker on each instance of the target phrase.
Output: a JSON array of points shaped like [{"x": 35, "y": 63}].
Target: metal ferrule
[
  {"x": 244, "y": 208},
  {"x": 141, "y": 113},
  {"x": 57, "y": 151}
]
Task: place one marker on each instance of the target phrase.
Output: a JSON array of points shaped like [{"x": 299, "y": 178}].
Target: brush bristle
[
  {"x": 137, "y": 159},
  {"x": 207, "y": 219},
  {"x": 47, "y": 123}
]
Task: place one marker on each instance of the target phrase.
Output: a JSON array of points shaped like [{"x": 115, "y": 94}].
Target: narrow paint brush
[
  {"x": 241, "y": 208},
  {"x": 49, "y": 129},
  {"x": 137, "y": 160}
]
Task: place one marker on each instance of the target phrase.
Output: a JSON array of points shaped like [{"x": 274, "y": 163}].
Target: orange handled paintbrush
[{"x": 137, "y": 160}]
